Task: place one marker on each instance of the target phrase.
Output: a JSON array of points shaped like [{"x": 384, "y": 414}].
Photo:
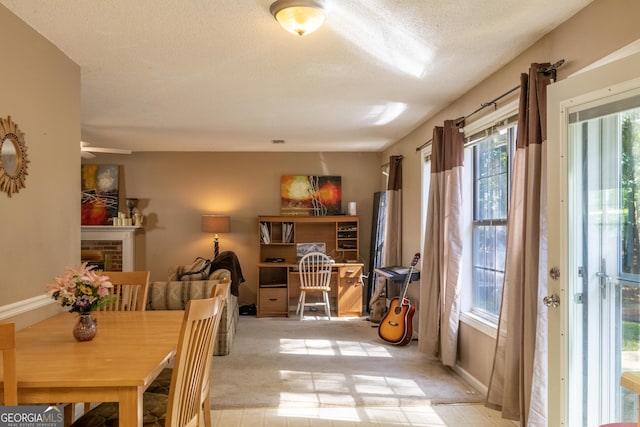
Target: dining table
[
  {"x": 128, "y": 352},
  {"x": 631, "y": 381}
]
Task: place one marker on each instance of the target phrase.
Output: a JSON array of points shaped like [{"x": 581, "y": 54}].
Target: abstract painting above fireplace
[{"x": 99, "y": 194}]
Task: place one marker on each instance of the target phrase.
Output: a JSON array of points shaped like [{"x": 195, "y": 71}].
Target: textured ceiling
[{"x": 221, "y": 75}]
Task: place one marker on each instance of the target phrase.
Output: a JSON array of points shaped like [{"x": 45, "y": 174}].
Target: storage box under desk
[{"x": 273, "y": 301}]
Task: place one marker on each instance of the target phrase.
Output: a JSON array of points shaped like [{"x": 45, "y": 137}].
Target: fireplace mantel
[{"x": 125, "y": 234}]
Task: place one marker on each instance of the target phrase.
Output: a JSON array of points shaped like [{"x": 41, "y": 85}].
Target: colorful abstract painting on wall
[
  {"x": 311, "y": 195},
  {"x": 99, "y": 194}
]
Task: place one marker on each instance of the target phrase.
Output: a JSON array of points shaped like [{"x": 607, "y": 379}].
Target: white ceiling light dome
[{"x": 299, "y": 17}]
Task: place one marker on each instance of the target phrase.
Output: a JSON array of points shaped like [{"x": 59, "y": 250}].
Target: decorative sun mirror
[{"x": 13, "y": 157}]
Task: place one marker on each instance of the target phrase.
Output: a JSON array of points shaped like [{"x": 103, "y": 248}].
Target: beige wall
[
  {"x": 175, "y": 189},
  {"x": 598, "y": 30},
  {"x": 39, "y": 235},
  {"x": 39, "y": 232}
]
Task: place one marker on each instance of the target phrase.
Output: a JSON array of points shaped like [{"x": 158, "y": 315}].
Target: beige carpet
[{"x": 285, "y": 362}]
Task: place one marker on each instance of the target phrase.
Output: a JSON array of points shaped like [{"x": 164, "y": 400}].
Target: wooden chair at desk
[
  {"x": 8, "y": 348},
  {"x": 183, "y": 406},
  {"x": 315, "y": 276}
]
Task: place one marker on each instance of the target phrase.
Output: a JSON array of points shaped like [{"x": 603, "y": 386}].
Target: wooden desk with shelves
[
  {"x": 278, "y": 278},
  {"x": 279, "y": 289}
]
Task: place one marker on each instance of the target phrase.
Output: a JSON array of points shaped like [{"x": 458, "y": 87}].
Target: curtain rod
[{"x": 550, "y": 68}]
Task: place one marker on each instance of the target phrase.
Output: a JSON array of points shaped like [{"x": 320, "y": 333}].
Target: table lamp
[{"x": 216, "y": 224}]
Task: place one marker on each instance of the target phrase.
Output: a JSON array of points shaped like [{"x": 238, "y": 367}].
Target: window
[
  {"x": 488, "y": 159},
  {"x": 492, "y": 159}
]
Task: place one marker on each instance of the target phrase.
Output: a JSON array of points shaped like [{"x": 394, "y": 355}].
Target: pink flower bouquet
[{"x": 81, "y": 289}]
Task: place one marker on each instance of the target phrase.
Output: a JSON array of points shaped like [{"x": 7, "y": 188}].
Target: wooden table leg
[
  {"x": 69, "y": 414},
  {"x": 130, "y": 406}
]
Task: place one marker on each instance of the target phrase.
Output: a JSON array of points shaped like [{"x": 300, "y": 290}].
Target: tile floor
[{"x": 458, "y": 415}]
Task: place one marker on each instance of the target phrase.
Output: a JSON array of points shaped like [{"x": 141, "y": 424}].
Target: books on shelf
[
  {"x": 265, "y": 236},
  {"x": 265, "y": 233},
  {"x": 287, "y": 232}
]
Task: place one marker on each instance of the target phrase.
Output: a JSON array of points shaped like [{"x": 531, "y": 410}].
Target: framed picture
[
  {"x": 311, "y": 195},
  {"x": 305, "y": 248},
  {"x": 99, "y": 194}
]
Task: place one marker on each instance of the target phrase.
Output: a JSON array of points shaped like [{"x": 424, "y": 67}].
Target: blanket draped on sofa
[{"x": 229, "y": 261}]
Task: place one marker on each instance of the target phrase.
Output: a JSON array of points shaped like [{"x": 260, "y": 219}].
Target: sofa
[{"x": 174, "y": 293}]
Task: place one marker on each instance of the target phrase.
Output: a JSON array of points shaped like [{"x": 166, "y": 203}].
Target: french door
[
  {"x": 594, "y": 241},
  {"x": 603, "y": 269}
]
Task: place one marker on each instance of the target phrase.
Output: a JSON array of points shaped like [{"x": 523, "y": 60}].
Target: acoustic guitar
[{"x": 396, "y": 327}]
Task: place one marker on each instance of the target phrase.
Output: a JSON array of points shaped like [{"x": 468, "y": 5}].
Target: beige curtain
[
  {"x": 442, "y": 255},
  {"x": 517, "y": 385}
]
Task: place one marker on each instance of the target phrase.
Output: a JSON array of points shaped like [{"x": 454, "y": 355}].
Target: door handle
[
  {"x": 605, "y": 280},
  {"x": 552, "y": 300}
]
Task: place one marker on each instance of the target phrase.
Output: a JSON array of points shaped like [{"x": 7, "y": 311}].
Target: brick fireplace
[
  {"x": 105, "y": 254},
  {"x": 115, "y": 244}
]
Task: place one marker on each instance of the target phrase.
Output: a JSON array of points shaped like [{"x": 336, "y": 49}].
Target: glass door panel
[{"x": 603, "y": 259}]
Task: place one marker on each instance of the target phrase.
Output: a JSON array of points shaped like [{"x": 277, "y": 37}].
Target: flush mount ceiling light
[{"x": 299, "y": 17}]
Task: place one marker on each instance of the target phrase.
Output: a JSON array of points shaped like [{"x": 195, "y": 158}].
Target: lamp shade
[
  {"x": 216, "y": 223},
  {"x": 299, "y": 17}
]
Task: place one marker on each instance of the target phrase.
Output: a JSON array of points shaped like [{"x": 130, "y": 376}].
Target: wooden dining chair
[
  {"x": 8, "y": 348},
  {"x": 163, "y": 382},
  {"x": 182, "y": 407},
  {"x": 315, "y": 276},
  {"x": 221, "y": 290},
  {"x": 130, "y": 289}
]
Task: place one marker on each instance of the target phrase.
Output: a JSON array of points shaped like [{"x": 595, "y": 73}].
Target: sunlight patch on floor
[
  {"x": 342, "y": 414},
  {"x": 368, "y": 384},
  {"x": 311, "y": 389},
  {"x": 326, "y": 348},
  {"x": 423, "y": 415},
  {"x": 361, "y": 349},
  {"x": 459, "y": 415},
  {"x": 307, "y": 347},
  {"x": 315, "y": 400}
]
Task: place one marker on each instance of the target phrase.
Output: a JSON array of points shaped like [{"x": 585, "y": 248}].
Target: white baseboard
[
  {"x": 471, "y": 379},
  {"x": 29, "y": 311},
  {"x": 25, "y": 306}
]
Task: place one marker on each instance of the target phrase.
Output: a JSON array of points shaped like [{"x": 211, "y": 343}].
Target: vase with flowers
[{"x": 82, "y": 290}]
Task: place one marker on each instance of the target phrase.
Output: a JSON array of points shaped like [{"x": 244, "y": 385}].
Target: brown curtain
[
  {"x": 392, "y": 252},
  {"x": 392, "y": 247},
  {"x": 442, "y": 255},
  {"x": 517, "y": 384}
]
